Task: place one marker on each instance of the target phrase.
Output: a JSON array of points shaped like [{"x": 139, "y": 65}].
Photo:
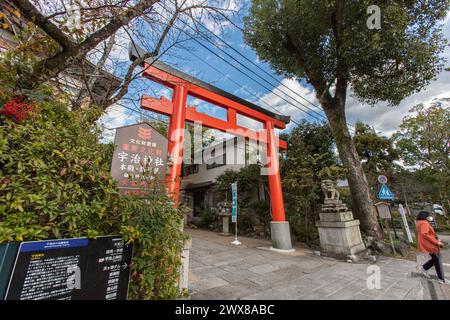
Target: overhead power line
[
  {"x": 251, "y": 78},
  {"x": 239, "y": 85},
  {"x": 253, "y": 63},
  {"x": 322, "y": 117}
]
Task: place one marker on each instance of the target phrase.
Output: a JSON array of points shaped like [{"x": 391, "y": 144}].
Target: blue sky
[{"x": 201, "y": 63}]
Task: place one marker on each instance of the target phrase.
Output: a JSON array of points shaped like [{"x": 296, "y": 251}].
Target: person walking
[{"x": 428, "y": 242}]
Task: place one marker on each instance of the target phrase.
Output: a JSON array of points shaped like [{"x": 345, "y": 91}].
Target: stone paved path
[
  {"x": 219, "y": 270},
  {"x": 446, "y": 262}
]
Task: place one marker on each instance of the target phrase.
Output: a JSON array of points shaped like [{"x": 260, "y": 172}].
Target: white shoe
[
  {"x": 444, "y": 281},
  {"x": 424, "y": 272}
]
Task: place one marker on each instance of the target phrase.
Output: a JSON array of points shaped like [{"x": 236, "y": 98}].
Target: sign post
[
  {"x": 382, "y": 179},
  {"x": 384, "y": 209},
  {"x": 236, "y": 242},
  {"x": 393, "y": 224},
  {"x": 384, "y": 214},
  {"x": 402, "y": 212}
]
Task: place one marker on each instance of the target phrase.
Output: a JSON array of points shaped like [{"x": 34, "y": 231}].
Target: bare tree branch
[
  {"x": 156, "y": 30},
  {"x": 90, "y": 80},
  {"x": 50, "y": 67},
  {"x": 42, "y": 22}
]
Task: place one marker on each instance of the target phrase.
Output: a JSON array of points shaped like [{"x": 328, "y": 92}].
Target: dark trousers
[{"x": 435, "y": 261}]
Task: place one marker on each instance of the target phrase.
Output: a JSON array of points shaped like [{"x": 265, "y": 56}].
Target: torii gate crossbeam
[{"x": 183, "y": 85}]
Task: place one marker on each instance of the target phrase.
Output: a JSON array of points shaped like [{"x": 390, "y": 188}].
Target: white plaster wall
[{"x": 207, "y": 175}]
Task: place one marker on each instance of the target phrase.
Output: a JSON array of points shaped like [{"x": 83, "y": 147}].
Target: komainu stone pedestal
[{"x": 339, "y": 232}]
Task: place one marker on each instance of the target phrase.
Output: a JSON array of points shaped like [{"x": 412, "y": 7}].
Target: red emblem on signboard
[{"x": 144, "y": 133}]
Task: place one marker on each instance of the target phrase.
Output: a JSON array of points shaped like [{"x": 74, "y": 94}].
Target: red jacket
[{"x": 426, "y": 237}]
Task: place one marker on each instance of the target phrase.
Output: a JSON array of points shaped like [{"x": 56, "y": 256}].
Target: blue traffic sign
[
  {"x": 382, "y": 179},
  {"x": 385, "y": 193}
]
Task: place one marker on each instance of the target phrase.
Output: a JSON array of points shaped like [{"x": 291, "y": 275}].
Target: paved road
[
  {"x": 446, "y": 254},
  {"x": 219, "y": 270}
]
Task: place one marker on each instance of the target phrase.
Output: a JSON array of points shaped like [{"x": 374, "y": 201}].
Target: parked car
[{"x": 438, "y": 209}]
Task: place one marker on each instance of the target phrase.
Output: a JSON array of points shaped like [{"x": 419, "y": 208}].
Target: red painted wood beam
[
  {"x": 165, "y": 107},
  {"x": 194, "y": 90},
  {"x": 162, "y": 105}
]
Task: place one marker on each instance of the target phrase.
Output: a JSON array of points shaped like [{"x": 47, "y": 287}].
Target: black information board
[{"x": 71, "y": 269}]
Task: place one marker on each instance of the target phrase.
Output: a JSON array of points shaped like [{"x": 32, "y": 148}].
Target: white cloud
[
  {"x": 284, "y": 101},
  {"x": 208, "y": 18},
  {"x": 115, "y": 116},
  {"x": 447, "y": 19},
  {"x": 215, "y": 25},
  {"x": 387, "y": 119}
]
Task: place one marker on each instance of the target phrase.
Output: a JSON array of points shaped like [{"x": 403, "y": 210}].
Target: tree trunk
[{"x": 362, "y": 206}]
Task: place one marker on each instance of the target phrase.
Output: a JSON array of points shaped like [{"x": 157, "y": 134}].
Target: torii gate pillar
[
  {"x": 176, "y": 137},
  {"x": 279, "y": 227}
]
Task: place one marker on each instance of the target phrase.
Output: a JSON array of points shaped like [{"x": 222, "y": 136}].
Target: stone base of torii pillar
[{"x": 281, "y": 236}]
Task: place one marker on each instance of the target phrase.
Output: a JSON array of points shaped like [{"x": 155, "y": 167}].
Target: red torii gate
[{"x": 183, "y": 85}]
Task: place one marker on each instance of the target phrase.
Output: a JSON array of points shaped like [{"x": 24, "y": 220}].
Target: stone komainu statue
[{"x": 330, "y": 191}]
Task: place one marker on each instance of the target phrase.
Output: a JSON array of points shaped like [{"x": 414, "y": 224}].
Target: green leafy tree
[
  {"x": 329, "y": 44},
  {"x": 424, "y": 144},
  {"x": 247, "y": 178},
  {"x": 251, "y": 211},
  {"x": 309, "y": 158},
  {"x": 423, "y": 138},
  {"x": 376, "y": 152}
]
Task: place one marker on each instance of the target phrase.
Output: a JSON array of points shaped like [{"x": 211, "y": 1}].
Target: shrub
[
  {"x": 247, "y": 220},
  {"x": 54, "y": 177},
  {"x": 442, "y": 223},
  {"x": 256, "y": 213},
  {"x": 155, "y": 229},
  {"x": 207, "y": 217},
  {"x": 55, "y": 183}
]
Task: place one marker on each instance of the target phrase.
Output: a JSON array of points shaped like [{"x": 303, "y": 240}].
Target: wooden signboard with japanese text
[
  {"x": 383, "y": 210},
  {"x": 140, "y": 158}
]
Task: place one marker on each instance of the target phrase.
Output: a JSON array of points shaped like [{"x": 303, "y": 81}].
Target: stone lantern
[{"x": 224, "y": 212}]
